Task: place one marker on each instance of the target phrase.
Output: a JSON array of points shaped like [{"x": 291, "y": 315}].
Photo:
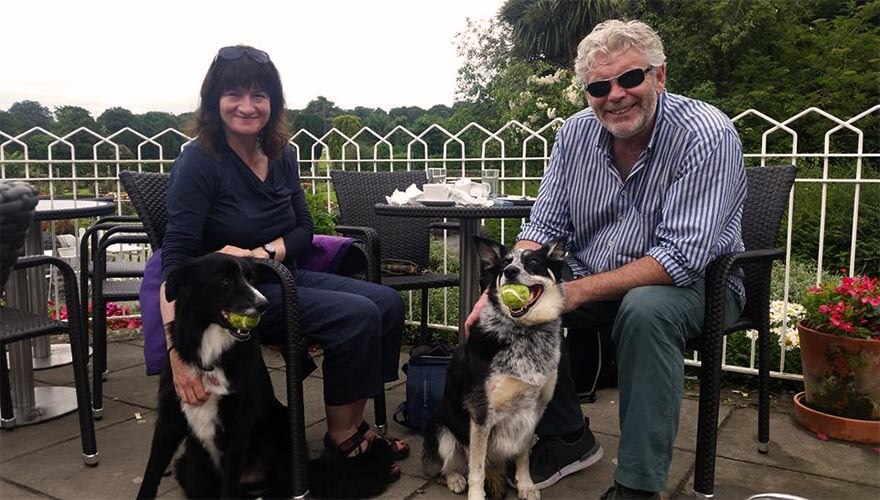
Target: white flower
[
  {"x": 551, "y": 113},
  {"x": 540, "y": 103},
  {"x": 794, "y": 313}
]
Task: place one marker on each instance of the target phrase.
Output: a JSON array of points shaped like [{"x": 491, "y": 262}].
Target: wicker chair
[
  {"x": 768, "y": 192},
  {"x": 17, "y": 202},
  {"x": 110, "y": 281},
  {"x": 389, "y": 237}
]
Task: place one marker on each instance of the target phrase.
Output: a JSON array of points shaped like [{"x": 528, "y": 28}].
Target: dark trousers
[
  {"x": 358, "y": 324},
  {"x": 651, "y": 325}
]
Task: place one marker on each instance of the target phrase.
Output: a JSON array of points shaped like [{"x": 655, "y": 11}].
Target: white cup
[{"x": 435, "y": 192}]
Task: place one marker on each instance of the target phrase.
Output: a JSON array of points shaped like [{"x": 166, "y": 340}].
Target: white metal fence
[{"x": 838, "y": 156}]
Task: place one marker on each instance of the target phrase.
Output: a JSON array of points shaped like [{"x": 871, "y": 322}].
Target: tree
[
  {"x": 550, "y": 30},
  {"x": 32, "y": 114},
  {"x": 70, "y": 118},
  {"x": 154, "y": 122},
  {"x": 116, "y": 118},
  {"x": 10, "y": 124}
]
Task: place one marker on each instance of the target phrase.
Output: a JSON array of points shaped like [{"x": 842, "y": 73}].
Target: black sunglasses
[
  {"x": 628, "y": 80},
  {"x": 230, "y": 53}
]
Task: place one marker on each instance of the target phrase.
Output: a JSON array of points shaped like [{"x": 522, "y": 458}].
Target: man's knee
[{"x": 651, "y": 314}]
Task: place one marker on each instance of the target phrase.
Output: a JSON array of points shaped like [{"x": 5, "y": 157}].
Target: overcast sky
[{"x": 152, "y": 56}]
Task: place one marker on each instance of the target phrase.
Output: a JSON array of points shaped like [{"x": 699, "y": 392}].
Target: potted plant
[{"x": 840, "y": 360}]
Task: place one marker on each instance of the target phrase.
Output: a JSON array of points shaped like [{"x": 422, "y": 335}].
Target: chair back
[
  {"x": 400, "y": 237},
  {"x": 768, "y": 189},
  {"x": 18, "y": 200},
  {"x": 147, "y": 193}
]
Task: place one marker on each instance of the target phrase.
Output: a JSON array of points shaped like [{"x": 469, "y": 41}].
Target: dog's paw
[
  {"x": 456, "y": 482},
  {"x": 476, "y": 494},
  {"x": 528, "y": 493}
]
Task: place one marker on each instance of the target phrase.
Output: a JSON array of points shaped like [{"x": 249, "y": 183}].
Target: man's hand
[
  {"x": 236, "y": 251},
  {"x": 187, "y": 380},
  {"x": 474, "y": 316}
]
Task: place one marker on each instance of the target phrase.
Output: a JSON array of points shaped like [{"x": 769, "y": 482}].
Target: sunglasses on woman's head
[
  {"x": 230, "y": 53},
  {"x": 627, "y": 80}
]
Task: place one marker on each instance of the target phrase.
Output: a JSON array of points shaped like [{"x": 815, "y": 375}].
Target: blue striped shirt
[{"x": 681, "y": 204}]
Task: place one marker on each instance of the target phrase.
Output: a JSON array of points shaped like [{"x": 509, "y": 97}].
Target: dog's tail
[{"x": 432, "y": 463}]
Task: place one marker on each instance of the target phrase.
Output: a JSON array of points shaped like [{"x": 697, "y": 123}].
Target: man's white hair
[{"x": 613, "y": 36}]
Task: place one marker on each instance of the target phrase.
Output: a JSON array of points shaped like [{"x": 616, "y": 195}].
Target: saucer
[
  {"x": 518, "y": 200},
  {"x": 437, "y": 203}
]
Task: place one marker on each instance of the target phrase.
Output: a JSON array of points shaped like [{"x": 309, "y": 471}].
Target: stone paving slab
[
  {"x": 44, "y": 460},
  {"x": 31, "y": 438}
]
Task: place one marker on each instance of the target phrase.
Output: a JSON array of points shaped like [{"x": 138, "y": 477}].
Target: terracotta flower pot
[
  {"x": 847, "y": 429},
  {"x": 841, "y": 374}
]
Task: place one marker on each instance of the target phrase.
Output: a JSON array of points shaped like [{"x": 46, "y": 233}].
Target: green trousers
[{"x": 650, "y": 326}]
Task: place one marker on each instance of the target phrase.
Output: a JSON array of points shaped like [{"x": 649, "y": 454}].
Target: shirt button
[
  {"x": 623, "y": 193},
  {"x": 621, "y": 217},
  {"x": 610, "y": 244}
]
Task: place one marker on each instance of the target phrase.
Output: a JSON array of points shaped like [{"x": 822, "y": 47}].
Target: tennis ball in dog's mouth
[
  {"x": 243, "y": 321},
  {"x": 515, "y": 296}
]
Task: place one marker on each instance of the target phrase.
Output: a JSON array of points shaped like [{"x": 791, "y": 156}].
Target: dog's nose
[
  {"x": 261, "y": 304},
  {"x": 511, "y": 272}
]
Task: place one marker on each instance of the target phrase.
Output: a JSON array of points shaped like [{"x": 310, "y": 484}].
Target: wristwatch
[{"x": 270, "y": 249}]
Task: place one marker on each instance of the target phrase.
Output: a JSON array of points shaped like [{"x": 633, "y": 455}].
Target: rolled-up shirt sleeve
[{"x": 702, "y": 203}]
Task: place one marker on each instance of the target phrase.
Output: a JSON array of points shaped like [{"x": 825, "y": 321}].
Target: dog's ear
[
  {"x": 556, "y": 248},
  {"x": 490, "y": 252}
]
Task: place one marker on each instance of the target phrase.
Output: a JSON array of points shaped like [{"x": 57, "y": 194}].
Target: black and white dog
[
  {"x": 499, "y": 382},
  {"x": 242, "y": 429}
]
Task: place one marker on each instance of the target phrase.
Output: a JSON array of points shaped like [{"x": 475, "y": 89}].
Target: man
[{"x": 648, "y": 188}]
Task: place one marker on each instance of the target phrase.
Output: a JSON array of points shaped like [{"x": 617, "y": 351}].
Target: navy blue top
[{"x": 216, "y": 202}]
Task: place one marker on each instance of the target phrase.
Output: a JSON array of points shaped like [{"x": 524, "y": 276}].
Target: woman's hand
[
  {"x": 236, "y": 251},
  {"x": 187, "y": 380},
  {"x": 475, "y": 314}
]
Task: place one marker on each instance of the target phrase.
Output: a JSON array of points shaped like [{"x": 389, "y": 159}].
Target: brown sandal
[{"x": 351, "y": 447}]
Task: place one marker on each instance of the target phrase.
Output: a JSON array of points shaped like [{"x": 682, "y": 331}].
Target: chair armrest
[
  {"x": 371, "y": 238},
  {"x": 71, "y": 295},
  {"x": 296, "y": 345},
  {"x": 716, "y": 284}
]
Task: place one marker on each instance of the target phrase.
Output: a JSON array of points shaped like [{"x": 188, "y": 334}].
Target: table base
[
  {"x": 49, "y": 403},
  {"x": 59, "y": 355}
]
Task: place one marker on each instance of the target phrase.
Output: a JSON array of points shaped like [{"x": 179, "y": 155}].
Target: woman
[{"x": 236, "y": 190}]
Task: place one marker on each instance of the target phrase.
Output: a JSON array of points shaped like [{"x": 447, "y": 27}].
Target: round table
[
  {"x": 469, "y": 220},
  {"x": 37, "y": 404}
]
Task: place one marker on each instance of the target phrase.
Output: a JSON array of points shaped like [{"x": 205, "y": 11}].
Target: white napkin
[
  {"x": 408, "y": 197},
  {"x": 460, "y": 193}
]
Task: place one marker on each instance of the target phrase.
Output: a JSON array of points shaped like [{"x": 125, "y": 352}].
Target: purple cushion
[
  {"x": 326, "y": 254},
  {"x": 151, "y": 318}
]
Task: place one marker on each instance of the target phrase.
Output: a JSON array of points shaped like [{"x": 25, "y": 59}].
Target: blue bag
[{"x": 425, "y": 382}]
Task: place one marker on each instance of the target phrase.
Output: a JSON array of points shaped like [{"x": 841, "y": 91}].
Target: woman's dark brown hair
[{"x": 241, "y": 72}]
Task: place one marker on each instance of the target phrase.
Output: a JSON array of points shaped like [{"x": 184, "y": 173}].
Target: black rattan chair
[
  {"x": 17, "y": 202},
  {"x": 768, "y": 191},
  {"x": 394, "y": 238},
  {"x": 111, "y": 281}
]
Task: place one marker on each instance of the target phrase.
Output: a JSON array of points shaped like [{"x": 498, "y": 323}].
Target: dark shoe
[
  {"x": 621, "y": 492},
  {"x": 551, "y": 459}
]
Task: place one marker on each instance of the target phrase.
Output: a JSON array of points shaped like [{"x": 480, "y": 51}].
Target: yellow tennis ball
[
  {"x": 243, "y": 321},
  {"x": 515, "y": 296}
]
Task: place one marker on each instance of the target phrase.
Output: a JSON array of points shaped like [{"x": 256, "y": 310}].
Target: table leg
[{"x": 470, "y": 272}]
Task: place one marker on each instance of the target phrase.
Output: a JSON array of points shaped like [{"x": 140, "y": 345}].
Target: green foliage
[
  {"x": 31, "y": 114},
  {"x": 70, "y": 118},
  {"x": 839, "y": 206},
  {"x": 116, "y": 118},
  {"x": 324, "y": 220},
  {"x": 550, "y": 30}
]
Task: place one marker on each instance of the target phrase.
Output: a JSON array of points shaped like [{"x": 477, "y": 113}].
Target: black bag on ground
[
  {"x": 425, "y": 382},
  {"x": 592, "y": 358}
]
